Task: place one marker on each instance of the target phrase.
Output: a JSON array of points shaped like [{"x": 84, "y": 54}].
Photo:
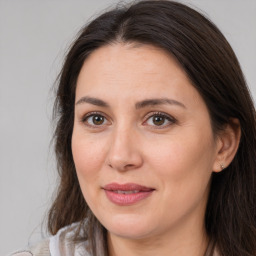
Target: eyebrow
[
  {"x": 138, "y": 105},
  {"x": 93, "y": 101},
  {"x": 156, "y": 102}
]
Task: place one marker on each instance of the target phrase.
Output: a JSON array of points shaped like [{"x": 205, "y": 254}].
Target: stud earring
[{"x": 222, "y": 166}]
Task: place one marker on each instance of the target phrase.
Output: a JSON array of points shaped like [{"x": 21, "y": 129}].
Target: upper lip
[{"x": 126, "y": 187}]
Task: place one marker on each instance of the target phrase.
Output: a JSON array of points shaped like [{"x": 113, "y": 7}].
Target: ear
[{"x": 227, "y": 145}]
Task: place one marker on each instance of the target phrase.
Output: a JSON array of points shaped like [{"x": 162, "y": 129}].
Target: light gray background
[{"x": 34, "y": 35}]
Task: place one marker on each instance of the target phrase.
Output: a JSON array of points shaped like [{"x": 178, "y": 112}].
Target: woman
[{"x": 155, "y": 140}]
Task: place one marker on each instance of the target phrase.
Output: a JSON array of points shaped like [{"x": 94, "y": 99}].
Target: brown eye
[
  {"x": 94, "y": 120},
  {"x": 97, "y": 119},
  {"x": 158, "y": 120}
]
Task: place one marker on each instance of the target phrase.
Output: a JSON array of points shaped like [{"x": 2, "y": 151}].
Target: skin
[{"x": 176, "y": 157}]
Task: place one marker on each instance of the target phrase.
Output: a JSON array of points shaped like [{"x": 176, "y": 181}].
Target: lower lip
[{"x": 127, "y": 199}]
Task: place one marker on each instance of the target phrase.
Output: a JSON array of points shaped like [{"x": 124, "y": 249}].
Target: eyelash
[
  {"x": 92, "y": 114},
  {"x": 169, "y": 118}
]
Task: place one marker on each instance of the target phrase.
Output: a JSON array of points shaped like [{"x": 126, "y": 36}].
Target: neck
[{"x": 182, "y": 242}]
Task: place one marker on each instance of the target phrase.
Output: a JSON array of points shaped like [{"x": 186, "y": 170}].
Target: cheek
[
  {"x": 184, "y": 152},
  {"x": 183, "y": 163},
  {"x": 88, "y": 157},
  {"x": 182, "y": 169}
]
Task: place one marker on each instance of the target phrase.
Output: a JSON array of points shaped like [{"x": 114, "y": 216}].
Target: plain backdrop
[{"x": 34, "y": 36}]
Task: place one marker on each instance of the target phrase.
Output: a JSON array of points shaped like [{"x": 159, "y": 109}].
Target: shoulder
[
  {"x": 61, "y": 244},
  {"x": 41, "y": 249}
]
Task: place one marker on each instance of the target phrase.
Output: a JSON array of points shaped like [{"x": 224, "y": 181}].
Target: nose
[{"x": 125, "y": 151}]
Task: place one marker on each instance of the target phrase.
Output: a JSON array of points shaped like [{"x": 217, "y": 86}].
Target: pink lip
[{"x": 136, "y": 193}]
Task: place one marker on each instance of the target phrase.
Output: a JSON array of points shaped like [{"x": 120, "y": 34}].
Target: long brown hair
[{"x": 211, "y": 65}]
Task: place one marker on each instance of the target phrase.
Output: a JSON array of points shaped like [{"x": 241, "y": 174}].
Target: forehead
[
  {"x": 129, "y": 56},
  {"x": 136, "y": 70}
]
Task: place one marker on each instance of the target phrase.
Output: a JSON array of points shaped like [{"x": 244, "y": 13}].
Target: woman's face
[{"x": 142, "y": 142}]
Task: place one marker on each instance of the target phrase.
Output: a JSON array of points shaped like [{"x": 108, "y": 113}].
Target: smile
[{"x": 126, "y": 194}]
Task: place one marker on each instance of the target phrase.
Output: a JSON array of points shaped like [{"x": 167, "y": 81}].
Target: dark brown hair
[{"x": 213, "y": 69}]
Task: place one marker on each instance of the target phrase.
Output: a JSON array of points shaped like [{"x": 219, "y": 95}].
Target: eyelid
[
  {"x": 170, "y": 118},
  {"x": 86, "y": 116}
]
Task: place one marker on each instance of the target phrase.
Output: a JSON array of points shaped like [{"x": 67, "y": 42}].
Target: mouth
[{"x": 127, "y": 194}]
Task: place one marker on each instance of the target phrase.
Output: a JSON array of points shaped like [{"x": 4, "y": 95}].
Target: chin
[{"x": 129, "y": 226}]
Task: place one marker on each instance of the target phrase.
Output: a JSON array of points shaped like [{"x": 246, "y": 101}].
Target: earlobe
[{"x": 227, "y": 146}]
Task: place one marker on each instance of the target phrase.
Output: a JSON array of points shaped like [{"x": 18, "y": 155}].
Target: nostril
[
  {"x": 124, "y": 160},
  {"x": 129, "y": 165},
  {"x": 121, "y": 167}
]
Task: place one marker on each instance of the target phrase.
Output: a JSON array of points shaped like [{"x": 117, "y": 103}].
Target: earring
[{"x": 222, "y": 166}]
